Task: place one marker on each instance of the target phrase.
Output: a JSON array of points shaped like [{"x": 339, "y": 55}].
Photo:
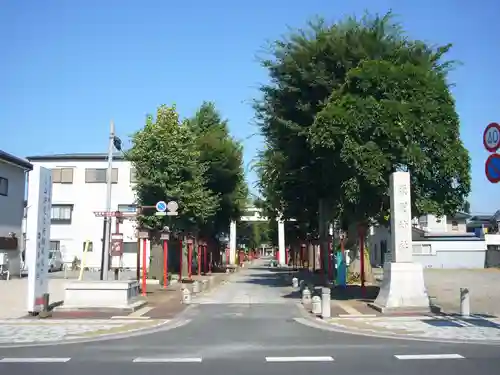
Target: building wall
[
  {"x": 442, "y": 224},
  {"x": 466, "y": 253},
  {"x": 11, "y": 210},
  {"x": 456, "y": 225},
  {"x": 453, "y": 254},
  {"x": 87, "y": 198}
]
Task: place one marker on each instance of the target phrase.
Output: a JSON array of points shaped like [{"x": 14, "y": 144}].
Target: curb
[{"x": 319, "y": 323}]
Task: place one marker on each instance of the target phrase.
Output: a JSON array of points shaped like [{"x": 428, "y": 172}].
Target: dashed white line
[
  {"x": 300, "y": 359},
  {"x": 429, "y": 356},
  {"x": 168, "y": 360},
  {"x": 34, "y": 360}
]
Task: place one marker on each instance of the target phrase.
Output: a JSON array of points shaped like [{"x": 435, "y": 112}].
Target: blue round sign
[
  {"x": 161, "y": 206},
  {"x": 492, "y": 168}
]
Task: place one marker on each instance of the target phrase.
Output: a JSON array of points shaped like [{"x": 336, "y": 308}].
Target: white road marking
[
  {"x": 167, "y": 360},
  {"x": 429, "y": 356},
  {"x": 35, "y": 360},
  {"x": 357, "y": 316},
  {"x": 141, "y": 311},
  {"x": 350, "y": 310},
  {"x": 299, "y": 359}
]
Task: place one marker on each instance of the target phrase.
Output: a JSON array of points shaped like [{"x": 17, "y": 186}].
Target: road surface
[{"x": 248, "y": 326}]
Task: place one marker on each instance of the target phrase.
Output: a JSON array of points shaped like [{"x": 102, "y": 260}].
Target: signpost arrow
[
  {"x": 491, "y": 137},
  {"x": 492, "y": 168}
]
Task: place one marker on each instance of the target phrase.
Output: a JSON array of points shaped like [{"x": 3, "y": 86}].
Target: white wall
[
  {"x": 87, "y": 198},
  {"x": 453, "y": 254},
  {"x": 12, "y": 209},
  {"x": 467, "y": 253}
]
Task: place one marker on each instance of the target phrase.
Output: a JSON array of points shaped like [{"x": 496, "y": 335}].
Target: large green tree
[
  {"x": 223, "y": 157},
  {"x": 168, "y": 166},
  {"x": 346, "y": 105}
]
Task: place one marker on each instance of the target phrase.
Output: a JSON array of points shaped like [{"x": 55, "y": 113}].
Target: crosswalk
[{"x": 198, "y": 360}]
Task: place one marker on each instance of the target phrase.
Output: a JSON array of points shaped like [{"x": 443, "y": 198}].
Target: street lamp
[{"x": 114, "y": 143}]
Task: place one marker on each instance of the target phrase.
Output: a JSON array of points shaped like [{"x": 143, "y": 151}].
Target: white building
[
  {"x": 79, "y": 190},
  {"x": 438, "y": 242},
  {"x": 12, "y": 192}
]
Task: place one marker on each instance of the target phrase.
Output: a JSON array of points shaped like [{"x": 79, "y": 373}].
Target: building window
[
  {"x": 55, "y": 245},
  {"x": 61, "y": 213},
  {"x": 133, "y": 176},
  {"x": 62, "y": 175},
  {"x": 130, "y": 247},
  {"x": 90, "y": 248},
  {"x": 4, "y": 186},
  {"x": 454, "y": 225},
  {"x": 418, "y": 249},
  {"x": 98, "y": 176}
]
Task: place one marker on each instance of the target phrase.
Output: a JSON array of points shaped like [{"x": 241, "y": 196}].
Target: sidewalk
[
  {"x": 37, "y": 331},
  {"x": 430, "y": 328}
]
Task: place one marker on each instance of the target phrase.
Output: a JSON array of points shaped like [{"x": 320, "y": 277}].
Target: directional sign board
[
  {"x": 491, "y": 137},
  {"x": 492, "y": 168},
  {"x": 161, "y": 206}
]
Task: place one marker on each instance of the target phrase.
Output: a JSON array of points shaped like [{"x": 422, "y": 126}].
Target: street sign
[
  {"x": 492, "y": 168},
  {"x": 161, "y": 213},
  {"x": 161, "y": 206},
  {"x": 491, "y": 137},
  {"x": 116, "y": 244}
]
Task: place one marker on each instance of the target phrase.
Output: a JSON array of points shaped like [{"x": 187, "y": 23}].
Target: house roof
[
  {"x": 461, "y": 215},
  {"x": 19, "y": 162},
  {"x": 96, "y": 156}
]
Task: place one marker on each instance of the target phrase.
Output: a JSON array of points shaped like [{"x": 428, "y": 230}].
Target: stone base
[
  {"x": 122, "y": 295},
  {"x": 403, "y": 289}
]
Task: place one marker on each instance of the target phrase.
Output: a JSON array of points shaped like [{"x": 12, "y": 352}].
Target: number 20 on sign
[{"x": 491, "y": 137}]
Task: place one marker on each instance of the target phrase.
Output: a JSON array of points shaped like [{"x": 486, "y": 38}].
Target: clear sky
[{"x": 69, "y": 66}]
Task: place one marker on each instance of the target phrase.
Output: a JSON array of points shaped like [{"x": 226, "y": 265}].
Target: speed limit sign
[{"x": 491, "y": 137}]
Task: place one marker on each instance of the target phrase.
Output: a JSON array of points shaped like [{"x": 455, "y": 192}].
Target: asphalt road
[{"x": 247, "y": 326}]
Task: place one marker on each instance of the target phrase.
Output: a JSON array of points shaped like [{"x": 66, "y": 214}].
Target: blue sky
[{"x": 68, "y": 67}]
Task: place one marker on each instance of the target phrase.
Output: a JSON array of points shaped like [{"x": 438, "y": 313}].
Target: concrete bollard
[
  {"x": 196, "y": 287},
  {"x": 325, "y": 303},
  {"x": 464, "y": 302},
  {"x": 295, "y": 282},
  {"x": 306, "y": 296},
  {"x": 186, "y": 296},
  {"x": 316, "y": 305},
  {"x": 204, "y": 285}
]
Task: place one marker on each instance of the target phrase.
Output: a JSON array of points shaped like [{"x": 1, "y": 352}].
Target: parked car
[{"x": 55, "y": 261}]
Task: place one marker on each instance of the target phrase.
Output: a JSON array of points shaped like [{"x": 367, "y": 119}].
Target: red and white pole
[{"x": 165, "y": 264}]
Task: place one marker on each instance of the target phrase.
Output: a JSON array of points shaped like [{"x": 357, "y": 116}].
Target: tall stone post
[
  {"x": 232, "y": 242},
  {"x": 403, "y": 287}
]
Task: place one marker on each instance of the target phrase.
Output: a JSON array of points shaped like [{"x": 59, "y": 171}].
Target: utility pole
[{"x": 107, "y": 219}]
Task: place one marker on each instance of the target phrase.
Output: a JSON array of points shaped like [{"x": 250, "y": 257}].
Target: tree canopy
[
  {"x": 348, "y": 104},
  {"x": 223, "y": 157},
  {"x": 193, "y": 161}
]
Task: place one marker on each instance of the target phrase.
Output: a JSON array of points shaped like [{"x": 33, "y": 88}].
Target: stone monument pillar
[{"x": 403, "y": 287}]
